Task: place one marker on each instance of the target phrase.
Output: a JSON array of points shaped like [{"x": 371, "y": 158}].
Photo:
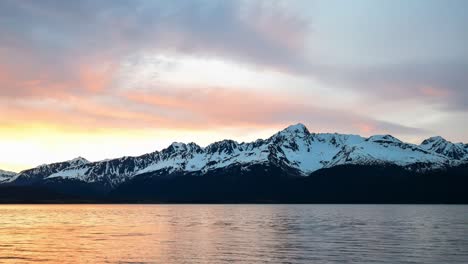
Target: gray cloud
[
  {"x": 440, "y": 84},
  {"x": 50, "y": 42},
  {"x": 53, "y": 40}
]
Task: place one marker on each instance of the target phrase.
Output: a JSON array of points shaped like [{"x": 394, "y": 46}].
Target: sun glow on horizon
[{"x": 49, "y": 145}]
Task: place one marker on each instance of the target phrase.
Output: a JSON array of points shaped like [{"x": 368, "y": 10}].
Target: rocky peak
[
  {"x": 384, "y": 139},
  {"x": 78, "y": 161},
  {"x": 226, "y": 146},
  {"x": 3, "y": 172},
  {"x": 177, "y": 146},
  {"x": 440, "y": 145},
  {"x": 6, "y": 175},
  {"x": 173, "y": 150},
  {"x": 290, "y": 135},
  {"x": 434, "y": 140},
  {"x": 194, "y": 147},
  {"x": 297, "y": 129}
]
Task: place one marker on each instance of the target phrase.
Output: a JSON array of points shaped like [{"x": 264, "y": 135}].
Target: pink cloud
[
  {"x": 186, "y": 109},
  {"x": 221, "y": 107},
  {"x": 432, "y": 91}
]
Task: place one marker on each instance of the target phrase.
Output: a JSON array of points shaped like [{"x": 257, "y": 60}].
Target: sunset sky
[{"x": 104, "y": 79}]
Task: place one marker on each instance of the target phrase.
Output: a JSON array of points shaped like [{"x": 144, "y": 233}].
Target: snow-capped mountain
[
  {"x": 6, "y": 175},
  {"x": 386, "y": 149},
  {"x": 41, "y": 172},
  {"x": 456, "y": 151},
  {"x": 293, "y": 149}
]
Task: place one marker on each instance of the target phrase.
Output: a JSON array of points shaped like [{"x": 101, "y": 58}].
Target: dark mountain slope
[{"x": 341, "y": 184}]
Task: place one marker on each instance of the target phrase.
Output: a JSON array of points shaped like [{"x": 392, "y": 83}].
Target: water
[{"x": 233, "y": 233}]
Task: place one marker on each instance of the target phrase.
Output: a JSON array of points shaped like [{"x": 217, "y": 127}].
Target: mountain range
[{"x": 293, "y": 165}]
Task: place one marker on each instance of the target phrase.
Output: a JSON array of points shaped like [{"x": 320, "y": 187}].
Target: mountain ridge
[
  {"x": 294, "y": 149},
  {"x": 5, "y": 176}
]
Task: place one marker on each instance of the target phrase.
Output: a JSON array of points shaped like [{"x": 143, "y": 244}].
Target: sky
[{"x": 105, "y": 79}]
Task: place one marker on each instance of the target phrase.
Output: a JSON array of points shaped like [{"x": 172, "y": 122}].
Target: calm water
[{"x": 233, "y": 233}]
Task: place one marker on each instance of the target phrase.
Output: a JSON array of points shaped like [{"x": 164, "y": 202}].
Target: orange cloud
[
  {"x": 51, "y": 104},
  {"x": 432, "y": 91},
  {"x": 365, "y": 128},
  {"x": 221, "y": 107},
  {"x": 26, "y": 75},
  {"x": 96, "y": 75}
]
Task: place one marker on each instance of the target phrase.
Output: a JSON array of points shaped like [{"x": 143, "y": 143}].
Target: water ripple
[{"x": 233, "y": 233}]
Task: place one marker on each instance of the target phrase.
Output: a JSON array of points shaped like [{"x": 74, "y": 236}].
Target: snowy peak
[
  {"x": 225, "y": 146},
  {"x": 337, "y": 139},
  {"x": 444, "y": 147},
  {"x": 384, "y": 139},
  {"x": 433, "y": 140},
  {"x": 42, "y": 171},
  {"x": 294, "y": 130},
  {"x": 177, "y": 147},
  {"x": 6, "y": 175},
  {"x": 388, "y": 150},
  {"x": 291, "y": 137},
  {"x": 68, "y": 163},
  {"x": 78, "y": 161}
]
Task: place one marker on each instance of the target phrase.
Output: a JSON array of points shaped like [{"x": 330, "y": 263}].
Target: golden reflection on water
[
  {"x": 232, "y": 233},
  {"x": 116, "y": 233},
  {"x": 77, "y": 233}
]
